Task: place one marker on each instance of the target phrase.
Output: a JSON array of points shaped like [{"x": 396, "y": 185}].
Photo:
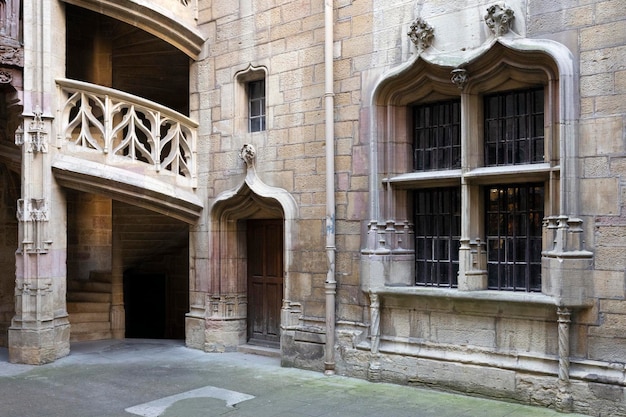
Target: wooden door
[{"x": 265, "y": 281}]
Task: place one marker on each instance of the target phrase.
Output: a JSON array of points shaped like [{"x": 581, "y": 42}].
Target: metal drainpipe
[{"x": 331, "y": 283}]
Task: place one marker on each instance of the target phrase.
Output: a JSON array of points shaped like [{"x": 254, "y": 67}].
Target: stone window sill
[{"x": 480, "y": 295}]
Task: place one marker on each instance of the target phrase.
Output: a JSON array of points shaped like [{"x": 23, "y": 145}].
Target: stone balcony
[{"x": 126, "y": 147}]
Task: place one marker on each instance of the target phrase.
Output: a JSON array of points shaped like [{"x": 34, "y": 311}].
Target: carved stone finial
[
  {"x": 499, "y": 18},
  {"x": 421, "y": 34},
  {"x": 459, "y": 77},
  {"x": 248, "y": 154}
]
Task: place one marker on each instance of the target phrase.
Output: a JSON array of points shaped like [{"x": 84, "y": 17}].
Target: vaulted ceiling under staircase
[{"x": 105, "y": 51}]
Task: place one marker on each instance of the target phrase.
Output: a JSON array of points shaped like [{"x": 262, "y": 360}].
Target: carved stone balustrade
[{"x": 124, "y": 127}]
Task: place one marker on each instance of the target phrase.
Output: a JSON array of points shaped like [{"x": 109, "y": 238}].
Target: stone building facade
[{"x": 411, "y": 191}]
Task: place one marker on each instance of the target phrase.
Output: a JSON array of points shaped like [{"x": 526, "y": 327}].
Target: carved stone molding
[
  {"x": 421, "y": 34},
  {"x": 499, "y": 18},
  {"x": 34, "y": 213},
  {"x": 459, "y": 77}
]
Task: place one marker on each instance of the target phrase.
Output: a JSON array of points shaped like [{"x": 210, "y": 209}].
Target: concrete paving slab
[{"x": 108, "y": 378}]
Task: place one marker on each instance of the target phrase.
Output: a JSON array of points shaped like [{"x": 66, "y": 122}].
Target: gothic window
[
  {"x": 469, "y": 159},
  {"x": 513, "y": 135},
  {"x": 251, "y": 100}
]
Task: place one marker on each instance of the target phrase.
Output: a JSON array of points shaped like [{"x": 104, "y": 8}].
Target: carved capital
[
  {"x": 499, "y": 18},
  {"x": 459, "y": 77},
  {"x": 421, "y": 34}
]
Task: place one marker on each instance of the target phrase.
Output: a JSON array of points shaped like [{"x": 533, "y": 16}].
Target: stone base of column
[{"x": 39, "y": 345}]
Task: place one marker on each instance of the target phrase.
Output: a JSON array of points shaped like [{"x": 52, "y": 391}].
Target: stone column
[{"x": 40, "y": 330}]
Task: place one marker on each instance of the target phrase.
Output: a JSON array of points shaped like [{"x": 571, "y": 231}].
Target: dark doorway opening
[{"x": 145, "y": 305}]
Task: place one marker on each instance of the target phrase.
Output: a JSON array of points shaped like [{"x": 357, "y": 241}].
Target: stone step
[
  {"x": 89, "y": 317},
  {"x": 90, "y": 327},
  {"x": 88, "y": 286},
  {"x": 81, "y": 337},
  {"x": 100, "y": 276},
  {"x": 83, "y": 307},
  {"x": 89, "y": 297}
]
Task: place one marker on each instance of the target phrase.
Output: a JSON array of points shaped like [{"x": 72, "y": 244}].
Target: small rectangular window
[
  {"x": 514, "y": 132},
  {"x": 256, "y": 106},
  {"x": 437, "y": 236},
  {"x": 437, "y": 136},
  {"x": 513, "y": 221}
]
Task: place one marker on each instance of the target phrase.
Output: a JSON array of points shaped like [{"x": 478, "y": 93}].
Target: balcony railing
[{"x": 115, "y": 123}]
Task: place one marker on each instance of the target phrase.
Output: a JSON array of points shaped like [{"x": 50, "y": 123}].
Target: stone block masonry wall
[
  {"x": 286, "y": 40},
  {"x": 596, "y": 34},
  {"x": 486, "y": 347},
  {"x": 419, "y": 337}
]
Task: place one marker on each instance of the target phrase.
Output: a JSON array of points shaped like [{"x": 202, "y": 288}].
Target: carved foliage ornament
[
  {"x": 421, "y": 34},
  {"x": 499, "y": 18}
]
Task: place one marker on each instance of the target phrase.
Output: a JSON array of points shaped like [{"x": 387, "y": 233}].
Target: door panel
[{"x": 265, "y": 281}]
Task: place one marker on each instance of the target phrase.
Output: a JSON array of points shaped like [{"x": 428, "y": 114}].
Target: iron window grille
[
  {"x": 513, "y": 219},
  {"x": 514, "y": 130},
  {"x": 437, "y": 236},
  {"x": 437, "y": 136}
]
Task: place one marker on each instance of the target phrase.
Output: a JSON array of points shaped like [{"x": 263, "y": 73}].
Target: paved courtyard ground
[{"x": 151, "y": 378}]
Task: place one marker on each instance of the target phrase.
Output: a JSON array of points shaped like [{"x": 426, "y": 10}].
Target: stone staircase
[{"x": 89, "y": 305}]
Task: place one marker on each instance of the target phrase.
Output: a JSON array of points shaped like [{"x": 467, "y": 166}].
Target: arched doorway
[{"x": 250, "y": 262}]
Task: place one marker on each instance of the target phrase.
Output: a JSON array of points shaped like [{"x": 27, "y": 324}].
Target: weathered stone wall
[
  {"x": 287, "y": 41},
  {"x": 89, "y": 234},
  {"x": 488, "y": 347}
]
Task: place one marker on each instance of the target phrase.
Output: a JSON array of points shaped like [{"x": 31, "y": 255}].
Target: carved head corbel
[{"x": 248, "y": 154}]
